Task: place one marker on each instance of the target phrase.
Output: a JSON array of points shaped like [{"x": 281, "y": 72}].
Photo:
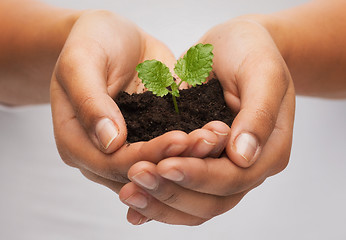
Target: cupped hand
[
  {"x": 99, "y": 60},
  {"x": 258, "y": 86}
]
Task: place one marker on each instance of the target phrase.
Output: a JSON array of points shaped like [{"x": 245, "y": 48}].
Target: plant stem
[
  {"x": 175, "y": 104},
  {"x": 180, "y": 83}
]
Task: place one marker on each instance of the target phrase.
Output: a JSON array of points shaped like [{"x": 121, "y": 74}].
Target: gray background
[{"x": 41, "y": 198}]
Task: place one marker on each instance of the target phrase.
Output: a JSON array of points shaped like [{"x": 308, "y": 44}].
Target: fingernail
[
  {"x": 106, "y": 132},
  {"x": 137, "y": 200},
  {"x": 174, "y": 175},
  {"x": 246, "y": 145},
  {"x": 202, "y": 148},
  {"x": 220, "y": 133},
  {"x": 143, "y": 220},
  {"x": 209, "y": 143},
  {"x": 146, "y": 180}
]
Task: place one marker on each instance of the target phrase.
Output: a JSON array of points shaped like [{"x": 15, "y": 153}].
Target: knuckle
[
  {"x": 161, "y": 216},
  {"x": 170, "y": 198},
  {"x": 86, "y": 105},
  {"x": 104, "y": 13},
  {"x": 197, "y": 184},
  {"x": 264, "y": 115},
  {"x": 142, "y": 151},
  {"x": 216, "y": 208},
  {"x": 99, "y": 13},
  {"x": 61, "y": 143},
  {"x": 281, "y": 165},
  {"x": 69, "y": 57},
  {"x": 265, "y": 120},
  {"x": 221, "y": 183},
  {"x": 114, "y": 175},
  {"x": 68, "y": 160},
  {"x": 278, "y": 74},
  {"x": 200, "y": 182},
  {"x": 277, "y": 68},
  {"x": 233, "y": 185},
  {"x": 68, "y": 66},
  {"x": 63, "y": 151},
  {"x": 90, "y": 176}
]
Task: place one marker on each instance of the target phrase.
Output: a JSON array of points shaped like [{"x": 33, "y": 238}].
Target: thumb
[
  {"x": 82, "y": 76},
  {"x": 261, "y": 90}
]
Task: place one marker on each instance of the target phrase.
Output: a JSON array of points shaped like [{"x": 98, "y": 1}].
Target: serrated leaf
[
  {"x": 155, "y": 76},
  {"x": 196, "y": 64}
]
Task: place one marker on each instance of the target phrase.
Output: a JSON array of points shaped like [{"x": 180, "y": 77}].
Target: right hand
[
  {"x": 258, "y": 86},
  {"x": 99, "y": 60}
]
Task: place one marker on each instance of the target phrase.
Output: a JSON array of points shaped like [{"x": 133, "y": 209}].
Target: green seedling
[{"x": 194, "y": 68}]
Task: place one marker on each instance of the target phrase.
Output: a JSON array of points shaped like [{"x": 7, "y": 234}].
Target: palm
[
  {"x": 258, "y": 86},
  {"x": 98, "y": 61}
]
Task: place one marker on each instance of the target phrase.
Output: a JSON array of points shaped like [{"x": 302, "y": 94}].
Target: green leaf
[
  {"x": 155, "y": 76},
  {"x": 196, "y": 65},
  {"x": 175, "y": 89}
]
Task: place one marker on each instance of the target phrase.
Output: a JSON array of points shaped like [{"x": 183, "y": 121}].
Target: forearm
[
  {"x": 312, "y": 40},
  {"x": 32, "y": 36}
]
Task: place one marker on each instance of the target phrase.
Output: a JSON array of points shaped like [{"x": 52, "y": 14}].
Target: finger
[
  {"x": 143, "y": 203},
  {"x": 169, "y": 144},
  {"x": 85, "y": 84},
  {"x": 254, "y": 84},
  {"x": 261, "y": 93},
  {"x": 136, "y": 218},
  {"x": 145, "y": 175},
  {"x": 84, "y": 69},
  {"x": 201, "y": 143},
  {"x": 217, "y": 176},
  {"x": 221, "y": 176},
  {"x": 77, "y": 150},
  {"x": 198, "y": 204},
  {"x": 222, "y": 131},
  {"x": 275, "y": 156}
]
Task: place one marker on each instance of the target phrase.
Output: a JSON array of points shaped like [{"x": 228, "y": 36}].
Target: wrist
[
  {"x": 275, "y": 26},
  {"x": 58, "y": 30}
]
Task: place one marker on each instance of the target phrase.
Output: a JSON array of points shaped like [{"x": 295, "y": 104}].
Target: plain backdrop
[{"x": 41, "y": 198}]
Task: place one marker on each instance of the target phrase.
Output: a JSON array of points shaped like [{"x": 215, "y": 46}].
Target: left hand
[
  {"x": 188, "y": 190},
  {"x": 257, "y": 85},
  {"x": 98, "y": 61}
]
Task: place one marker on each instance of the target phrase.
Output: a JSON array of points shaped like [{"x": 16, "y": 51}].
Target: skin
[
  {"x": 256, "y": 58},
  {"x": 84, "y": 83},
  {"x": 71, "y": 51},
  {"x": 212, "y": 186},
  {"x": 26, "y": 60},
  {"x": 69, "y": 41}
]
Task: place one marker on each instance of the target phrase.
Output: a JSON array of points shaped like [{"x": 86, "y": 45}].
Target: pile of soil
[{"x": 148, "y": 116}]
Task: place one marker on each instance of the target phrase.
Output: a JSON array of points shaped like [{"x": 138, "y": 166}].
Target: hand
[
  {"x": 97, "y": 61},
  {"x": 258, "y": 86}
]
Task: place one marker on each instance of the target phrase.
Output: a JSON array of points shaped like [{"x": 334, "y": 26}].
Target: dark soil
[{"x": 148, "y": 116}]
